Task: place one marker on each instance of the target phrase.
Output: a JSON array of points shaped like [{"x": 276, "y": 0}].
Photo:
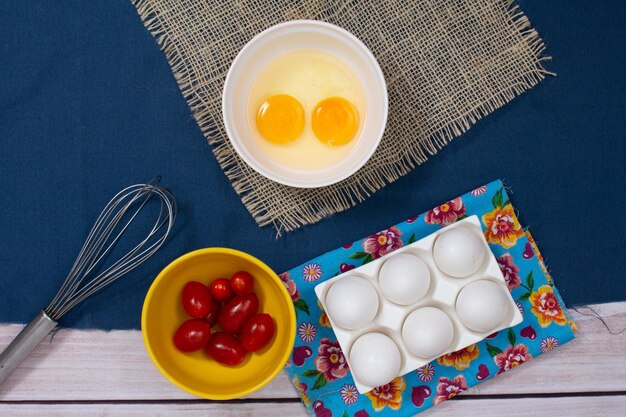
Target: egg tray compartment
[{"x": 442, "y": 293}]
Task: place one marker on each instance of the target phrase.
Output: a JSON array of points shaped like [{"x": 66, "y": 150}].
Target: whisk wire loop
[{"x": 104, "y": 235}]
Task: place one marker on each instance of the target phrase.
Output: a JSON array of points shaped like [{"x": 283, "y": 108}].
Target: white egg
[
  {"x": 375, "y": 359},
  {"x": 427, "y": 332},
  {"x": 459, "y": 252},
  {"x": 352, "y": 302},
  {"x": 404, "y": 279},
  {"x": 483, "y": 305}
]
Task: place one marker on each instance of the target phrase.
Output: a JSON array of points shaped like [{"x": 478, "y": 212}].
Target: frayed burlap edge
[{"x": 356, "y": 188}]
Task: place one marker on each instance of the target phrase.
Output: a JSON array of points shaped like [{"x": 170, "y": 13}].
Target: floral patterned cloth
[{"x": 318, "y": 367}]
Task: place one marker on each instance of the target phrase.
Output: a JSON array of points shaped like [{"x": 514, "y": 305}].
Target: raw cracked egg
[
  {"x": 459, "y": 252},
  {"x": 427, "y": 332},
  {"x": 483, "y": 305},
  {"x": 306, "y": 109},
  {"x": 375, "y": 359},
  {"x": 404, "y": 279},
  {"x": 352, "y": 302}
]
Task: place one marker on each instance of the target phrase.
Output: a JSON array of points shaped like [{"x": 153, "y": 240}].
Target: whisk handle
[{"x": 24, "y": 343}]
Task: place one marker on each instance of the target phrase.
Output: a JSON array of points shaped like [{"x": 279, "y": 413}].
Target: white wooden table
[{"x": 85, "y": 373}]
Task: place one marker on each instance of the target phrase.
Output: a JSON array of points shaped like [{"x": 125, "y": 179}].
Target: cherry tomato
[
  {"x": 211, "y": 318},
  {"x": 196, "y": 299},
  {"x": 220, "y": 290},
  {"x": 226, "y": 349},
  {"x": 235, "y": 312},
  {"x": 192, "y": 335},
  {"x": 257, "y": 332},
  {"x": 241, "y": 283}
]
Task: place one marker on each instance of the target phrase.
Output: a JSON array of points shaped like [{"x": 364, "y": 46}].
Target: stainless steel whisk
[{"x": 83, "y": 279}]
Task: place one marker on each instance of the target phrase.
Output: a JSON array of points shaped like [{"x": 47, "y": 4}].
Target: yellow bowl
[{"x": 195, "y": 372}]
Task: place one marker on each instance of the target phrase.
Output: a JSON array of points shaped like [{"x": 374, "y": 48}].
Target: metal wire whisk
[{"x": 84, "y": 279}]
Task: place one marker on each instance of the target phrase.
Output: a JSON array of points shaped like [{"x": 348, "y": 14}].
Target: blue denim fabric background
[{"x": 88, "y": 105}]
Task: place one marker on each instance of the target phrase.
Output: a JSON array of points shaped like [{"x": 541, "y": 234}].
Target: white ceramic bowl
[{"x": 284, "y": 38}]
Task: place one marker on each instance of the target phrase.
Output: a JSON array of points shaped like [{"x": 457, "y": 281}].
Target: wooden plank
[
  {"x": 98, "y": 365},
  {"x": 600, "y": 406}
]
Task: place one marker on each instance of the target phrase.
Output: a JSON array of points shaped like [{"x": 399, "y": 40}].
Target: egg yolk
[
  {"x": 280, "y": 119},
  {"x": 335, "y": 121}
]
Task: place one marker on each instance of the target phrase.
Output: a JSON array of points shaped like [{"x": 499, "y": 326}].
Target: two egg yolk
[{"x": 334, "y": 120}]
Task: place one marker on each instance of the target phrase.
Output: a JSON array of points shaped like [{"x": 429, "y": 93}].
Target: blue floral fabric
[{"x": 318, "y": 367}]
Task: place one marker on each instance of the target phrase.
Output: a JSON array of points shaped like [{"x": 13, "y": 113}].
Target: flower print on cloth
[
  {"x": 447, "y": 388},
  {"x": 477, "y": 192},
  {"x": 447, "y": 213},
  {"x": 379, "y": 244},
  {"x": 546, "y": 307},
  {"x": 307, "y": 332},
  {"x": 311, "y": 272},
  {"x": 290, "y": 285},
  {"x": 501, "y": 224},
  {"x": 330, "y": 360},
  {"x": 512, "y": 357},
  {"x": 460, "y": 359},
  {"x": 349, "y": 394},
  {"x": 330, "y": 364},
  {"x": 509, "y": 270},
  {"x": 324, "y": 320},
  {"x": 388, "y": 395},
  {"x": 426, "y": 372},
  {"x": 548, "y": 344},
  {"x": 294, "y": 293},
  {"x": 302, "y": 389}
]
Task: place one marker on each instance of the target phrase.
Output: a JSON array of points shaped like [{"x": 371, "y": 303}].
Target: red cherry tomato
[
  {"x": 226, "y": 349},
  {"x": 220, "y": 290},
  {"x": 211, "y": 318},
  {"x": 196, "y": 299},
  {"x": 257, "y": 332},
  {"x": 241, "y": 283},
  {"x": 235, "y": 312},
  {"x": 192, "y": 335}
]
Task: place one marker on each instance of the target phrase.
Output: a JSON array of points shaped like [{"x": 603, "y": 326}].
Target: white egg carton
[{"x": 442, "y": 293}]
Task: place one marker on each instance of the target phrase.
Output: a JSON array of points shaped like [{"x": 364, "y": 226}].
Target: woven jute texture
[{"x": 447, "y": 63}]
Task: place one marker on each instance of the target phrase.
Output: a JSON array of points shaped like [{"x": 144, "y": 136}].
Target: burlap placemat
[{"x": 447, "y": 63}]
